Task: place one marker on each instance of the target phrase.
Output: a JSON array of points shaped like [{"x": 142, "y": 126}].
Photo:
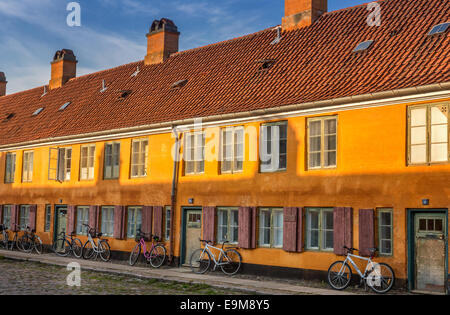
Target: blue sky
[{"x": 113, "y": 31}]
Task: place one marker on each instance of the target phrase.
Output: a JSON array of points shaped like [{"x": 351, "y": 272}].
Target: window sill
[{"x": 274, "y": 171}]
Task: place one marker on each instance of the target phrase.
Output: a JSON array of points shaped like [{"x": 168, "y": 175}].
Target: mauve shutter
[
  {"x": 32, "y": 217},
  {"x": 93, "y": 217},
  {"x": 245, "y": 227},
  {"x": 290, "y": 229},
  {"x": 366, "y": 231},
  {"x": 157, "y": 223},
  {"x": 71, "y": 219},
  {"x": 14, "y": 218},
  {"x": 253, "y": 223},
  {"x": 209, "y": 223},
  {"x": 343, "y": 229},
  {"x": 1, "y": 214},
  {"x": 300, "y": 230},
  {"x": 147, "y": 219},
  {"x": 118, "y": 222}
]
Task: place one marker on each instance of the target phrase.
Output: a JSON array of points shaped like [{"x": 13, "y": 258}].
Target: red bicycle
[{"x": 155, "y": 256}]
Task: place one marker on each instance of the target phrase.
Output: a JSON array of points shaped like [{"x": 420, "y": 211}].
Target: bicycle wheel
[
  {"x": 381, "y": 279},
  {"x": 232, "y": 261},
  {"x": 88, "y": 250},
  {"x": 77, "y": 248},
  {"x": 339, "y": 275},
  {"x": 134, "y": 255},
  {"x": 26, "y": 244},
  {"x": 105, "y": 250},
  {"x": 38, "y": 245},
  {"x": 200, "y": 261},
  {"x": 61, "y": 247},
  {"x": 157, "y": 256}
]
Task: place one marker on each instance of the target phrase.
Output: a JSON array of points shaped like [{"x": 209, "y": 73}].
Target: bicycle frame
[
  {"x": 221, "y": 253},
  {"x": 349, "y": 259},
  {"x": 144, "y": 248},
  {"x": 95, "y": 247}
]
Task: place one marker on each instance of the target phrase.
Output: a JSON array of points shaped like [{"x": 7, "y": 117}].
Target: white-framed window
[
  {"x": 167, "y": 223},
  {"x": 48, "y": 218},
  {"x": 270, "y": 225},
  {"x": 87, "y": 162},
  {"x": 194, "y": 153},
  {"x": 27, "y": 167},
  {"x": 319, "y": 229},
  {"x": 60, "y": 164},
  {"x": 112, "y": 161},
  {"x": 227, "y": 225},
  {"x": 428, "y": 134},
  {"x": 322, "y": 142},
  {"x": 134, "y": 221},
  {"x": 232, "y": 154},
  {"x": 273, "y": 153},
  {"x": 24, "y": 216},
  {"x": 385, "y": 231},
  {"x": 107, "y": 221},
  {"x": 10, "y": 167},
  {"x": 82, "y": 218},
  {"x": 139, "y": 158},
  {"x": 7, "y": 209}
]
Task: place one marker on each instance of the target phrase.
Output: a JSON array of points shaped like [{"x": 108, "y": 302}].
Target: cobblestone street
[{"x": 24, "y": 278}]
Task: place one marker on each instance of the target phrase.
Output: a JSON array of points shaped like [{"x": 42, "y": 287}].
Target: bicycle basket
[{"x": 93, "y": 233}]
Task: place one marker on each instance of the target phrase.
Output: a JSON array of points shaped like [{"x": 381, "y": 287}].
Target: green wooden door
[{"x": 430, "y": 242}]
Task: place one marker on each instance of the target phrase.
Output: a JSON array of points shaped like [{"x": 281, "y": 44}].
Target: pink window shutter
[
  {"x": 147, "y": 219},
  {"x": 245, "y": 227},
  {"x": 209, "y": 223},
  {"x": 157, "y": 223},
  {"x": 366, "y": 231},
  {"x": 118, "y": 222},
  {"x": 300, "y": 234},
  {"x": 15, "y": 218},
  {"x": 71, "y": 219},
  {"x": 1, "y": 214},
  {"x": 32, "y": 217},
  {"x": 290, "y": 229},
  {"x": 343, "y": 229},
  {"x": 93, "y": 217},
  {"x": 253, "y": 224}
]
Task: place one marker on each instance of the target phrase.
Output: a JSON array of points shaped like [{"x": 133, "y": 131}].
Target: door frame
[
  {"x": 55, "y": 220},
  {"x": 184, "y": 211},
  {"x": 411, "y": 231}
]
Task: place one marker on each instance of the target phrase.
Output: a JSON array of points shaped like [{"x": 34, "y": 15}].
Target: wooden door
[
  {"x": 61, "y": 220},
  {"x": 193, "y": 230}
]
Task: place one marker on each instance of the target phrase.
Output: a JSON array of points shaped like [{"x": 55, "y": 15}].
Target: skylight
[
  {"x": 363, "y": 46},
  {"x": 179, "y": 84},
  {"x": 439, "y": 29},
  {"x": 38, "y": 111},
  {"x": 9, "y": 116},
  {"x": 65, "y": 106}
]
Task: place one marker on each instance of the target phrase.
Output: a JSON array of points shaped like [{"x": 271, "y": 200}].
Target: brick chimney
[
  {"x": 2, "y": 84},
  {"x": 302, "y": 13},
  {"x": 64, "y": 68},
  {"x": 162, "y": 41}
]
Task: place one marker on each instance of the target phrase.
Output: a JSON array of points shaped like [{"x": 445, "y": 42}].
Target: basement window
[
  {"x": 439, "y": 29},
  {"x": 363, "y": 46},
  {"x": 65, "y": 106},
  {"x": 38, "y": 111},
  {"x": 179, "y": 84}
]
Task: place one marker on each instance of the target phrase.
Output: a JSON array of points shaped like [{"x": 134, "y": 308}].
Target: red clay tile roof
[{"x": 312, "y": 64}]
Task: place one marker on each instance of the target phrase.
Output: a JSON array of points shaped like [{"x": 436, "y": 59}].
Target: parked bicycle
[
  {"x": 92, "y": 249},
  {"x": 377, "y": 276},
  {"x": 155, "y": 256},
  {"x": 16, "y": 240},
  {"x": 228, "y": 259},
  {"x": 30, "y": 240},
  {"x": 4, "y": 237},
  {"x": 66, "y": 244}
]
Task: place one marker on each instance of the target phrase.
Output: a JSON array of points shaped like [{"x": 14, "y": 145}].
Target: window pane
[
  {"x": 315, "y": 144},
  {"x": 418, "y": 135},
  {"x": 327, "y": 220},
  {"x": 419, "y": 153},
  {"x": 328, "y": 240},
  {"x": 439, "y": 133},
  {"x": 313, "y": 239},
  {"x": 439, "y": 152},
  {"x": 418, "y": 117},
  {"x": 385, "y": 232},
  {"x": 330, "y": 126},
  {"x": 386, "y": 218},
  {"x": 439, "y": 115},
  {"x": 315, "y": 128},
  {"x": 386, "y": 247},
  {"x": 330, "y": 143},
  {"x": 314, "y": 159},
  {"x": 330, "y": 158}
]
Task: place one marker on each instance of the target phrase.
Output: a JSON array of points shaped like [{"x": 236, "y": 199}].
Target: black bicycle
[
  {"x": 30, "y": 240},
  {"x": 4, "y": 237},
  {"x": 66, "y": 244}
]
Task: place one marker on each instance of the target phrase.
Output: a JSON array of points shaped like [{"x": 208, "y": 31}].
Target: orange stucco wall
[{"x": 371, "y": 172}]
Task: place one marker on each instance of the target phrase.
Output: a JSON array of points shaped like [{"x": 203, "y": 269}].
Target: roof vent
[
  {"x": 9, "y": 116},
  {"x": 363, "y": 46},
  {"x": 65, "y": 106},
  {"x": 136, "y": 72},
  {"x": 104, "y": 87},
  {"x": 38, "y": 111},
  {"x": 124, "y": 94},
  {"x": 278, "y": 38},
  {"x": 45, "y": 91},
  {"x": 439, "y": 29},
  {"x": 179, "y": 84},
  {"x": 266, "y": 64}
]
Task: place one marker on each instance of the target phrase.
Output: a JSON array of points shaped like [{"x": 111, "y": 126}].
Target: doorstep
[{"x": 183, "y": 275}]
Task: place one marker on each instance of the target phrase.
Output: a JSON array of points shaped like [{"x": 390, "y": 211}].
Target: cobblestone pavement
[{"x": 24, "y": 278}]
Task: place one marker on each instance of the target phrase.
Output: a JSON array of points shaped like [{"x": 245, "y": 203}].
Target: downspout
[{"x": 174, "y": 192}]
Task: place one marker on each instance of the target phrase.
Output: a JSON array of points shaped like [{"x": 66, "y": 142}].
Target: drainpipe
[{"x": 174, "y": 192}]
